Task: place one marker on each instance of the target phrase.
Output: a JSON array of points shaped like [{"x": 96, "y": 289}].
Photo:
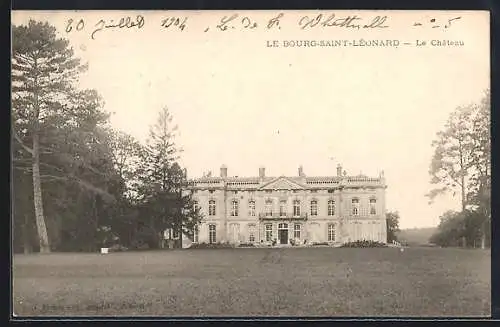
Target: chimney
[
  {"x": 339, "y": 170},
  {"x": 301, "y": 171},
  {"x": 262, "y": 172},
  {"x": 223, "y": 171}
]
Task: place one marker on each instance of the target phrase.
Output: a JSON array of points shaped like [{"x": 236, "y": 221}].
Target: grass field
[{"x": 262, "y": 282}]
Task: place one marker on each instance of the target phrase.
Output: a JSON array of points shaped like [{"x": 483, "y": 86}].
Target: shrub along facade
[{"x": 290, "y": 210}]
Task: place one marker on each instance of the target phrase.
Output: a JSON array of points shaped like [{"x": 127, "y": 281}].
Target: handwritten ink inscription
[
  {"x": 126, "y": 22},
  {"x": 237, "y": 22}
]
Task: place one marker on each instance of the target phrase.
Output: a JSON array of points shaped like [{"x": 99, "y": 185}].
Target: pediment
[{"x": 281, "y": 183}]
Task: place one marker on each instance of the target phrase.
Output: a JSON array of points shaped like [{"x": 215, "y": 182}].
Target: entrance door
[{"x": 283, "y": 233}]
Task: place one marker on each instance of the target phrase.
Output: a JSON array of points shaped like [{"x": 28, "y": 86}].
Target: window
[
  {"x": 195, "y": 234},
  {"x": 355, "y": 207},
  {"x": 234, "y": 208},
  {"x": 211, "y": 208},
  {"x": 296, "y": 208},
  {"x": 373, "y": 206},
  {"x": 296, "y": 231},
  {"x": 331, "y": 233},
  {"x": 269, "y": 232},
  {"x": 283, "y": 208},
  {"x": 314, "y": 208},
  {"x": 196, "y": 207},
  {"x": 269, "y": 191},
  {"x": 330, "y": 191},
  {"x": 211, "y": 191},
  {"x": 251, "y": 208},
  {"x": 235, "y": 192},
  {"x": 331, "y": 208},
  {"x": 211, "y": 234},
  {"x": 251, "y": 233},
  {"x": 269, "y": 208},
  {"x": 175, "y": 234}
]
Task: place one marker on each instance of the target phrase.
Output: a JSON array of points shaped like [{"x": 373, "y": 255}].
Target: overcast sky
[{"x": 240, "y": 103}]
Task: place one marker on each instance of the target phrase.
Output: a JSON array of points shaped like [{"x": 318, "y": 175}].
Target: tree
[
  {"x": 452, "y": 156},
  {"x": 461, "y": 161},
  {"x": 480, "y": 189},
  {"x": 43, "y": 71},
  {"x": 162, "y": 182},
  {"x": 392, "y": 219},
  {"x": 451, "y": 229}
]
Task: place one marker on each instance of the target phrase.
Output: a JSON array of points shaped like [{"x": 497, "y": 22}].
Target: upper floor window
[
  {"x": 330, "y": 191},
  {"x": 269, "y": 208},
  {"x": 196, "y": 207},
  {"x": 251, "y": 208},
  {"x": 211, "y": 191},
  {"x": 296, "y": 208},
  {"x": 282, "y": 208},
  {"x": 234, "y": 208},
  {"x": 355, "y": 206},
  {"x": 211, "y": 208},
  {"x": 331, "y": 208},
  {"x": 373, "y": 206},
  {"x": 314, "y": 208}
]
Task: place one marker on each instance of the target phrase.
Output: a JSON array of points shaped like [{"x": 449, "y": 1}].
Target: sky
[{"x": 244, "y": 104}]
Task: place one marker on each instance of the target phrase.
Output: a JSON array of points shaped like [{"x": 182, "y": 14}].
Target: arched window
[
  {"x": 331, "y": 208},
  {"x": 373, "y": 206},
  {"x": 211, "y": 208},
  {"x": 251, "y": 208},
  {"x": 355, "y": 207},
  {"x": 269, "y": 208},
  {"x": 234, "y": 208},
  {"x": 296, "y": 208},
  {"x": 314, "y": 208}
]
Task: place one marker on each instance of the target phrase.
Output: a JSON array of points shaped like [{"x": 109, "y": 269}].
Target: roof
[{"x": 286, "y": 182}]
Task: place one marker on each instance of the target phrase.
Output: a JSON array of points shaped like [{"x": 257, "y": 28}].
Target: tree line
[
  {"x": 77, "y": 183},
  {"x": 461, "y": 166}
]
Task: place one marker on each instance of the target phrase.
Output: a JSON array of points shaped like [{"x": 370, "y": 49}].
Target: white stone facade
[{"x": 299, "y": 209}]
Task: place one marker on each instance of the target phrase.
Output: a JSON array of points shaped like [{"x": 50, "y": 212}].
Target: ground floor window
[
  {"x": 195, "y": 234},
  {"x": 269, "y": 232},
  {"x": 251, "y": 233},
  {"x": 331, "y": 233},
  {"x": 296, "y": 231},
  {"x": 211, "y": 234}
]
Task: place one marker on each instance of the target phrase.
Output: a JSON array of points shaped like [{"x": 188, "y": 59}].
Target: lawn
[{"x": 262, "y": 282}]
